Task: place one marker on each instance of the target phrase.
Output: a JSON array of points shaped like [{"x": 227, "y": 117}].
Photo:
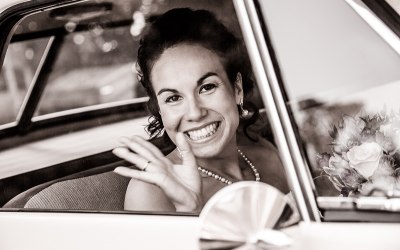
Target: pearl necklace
[{"x": 225, "y": 180}]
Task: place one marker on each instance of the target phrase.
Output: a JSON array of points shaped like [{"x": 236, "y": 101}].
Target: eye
[
  {"x": 173, "y": 98},
  {"x": 208, "y": 88}
]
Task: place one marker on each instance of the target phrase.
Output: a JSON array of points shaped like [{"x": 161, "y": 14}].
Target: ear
[{"x": 238, "y": 85}]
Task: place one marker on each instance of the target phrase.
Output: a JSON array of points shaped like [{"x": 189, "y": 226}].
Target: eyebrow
[{"x": 199, "y": 82}]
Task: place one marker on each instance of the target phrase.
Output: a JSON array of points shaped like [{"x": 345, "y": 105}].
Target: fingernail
[
  {"x": 119, "y": 151},
  {"x": 117, "y": 170}
]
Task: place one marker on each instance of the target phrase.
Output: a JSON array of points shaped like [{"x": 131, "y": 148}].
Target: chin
[
  {"x": 204, "y": 154},
  {"x": 207, "y": 151}
]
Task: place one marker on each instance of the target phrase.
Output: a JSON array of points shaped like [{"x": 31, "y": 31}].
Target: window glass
[
  {"x": 19, "y": 68},
  {"x": 92, "y": 67},
  {"x": 343, "y": 83}
]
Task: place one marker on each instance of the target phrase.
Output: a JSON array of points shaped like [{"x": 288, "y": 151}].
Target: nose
[{"x": 195, "y": 110}]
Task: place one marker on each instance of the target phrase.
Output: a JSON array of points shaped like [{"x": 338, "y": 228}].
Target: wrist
[{"x": 192, "y": 207}]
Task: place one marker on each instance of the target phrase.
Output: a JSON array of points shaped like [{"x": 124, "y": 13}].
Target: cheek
[
  {"x": 229, "y": 111},
  {"x": 170, "y": 118},
  {"x": 234, "y": 116},
  {"x": 230, "y": 108}
]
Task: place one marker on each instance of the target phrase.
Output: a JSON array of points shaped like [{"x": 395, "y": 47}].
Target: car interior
[{"x": 57, "y": 145}]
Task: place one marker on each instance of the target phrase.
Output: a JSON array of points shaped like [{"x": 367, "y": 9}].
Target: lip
[{"x": 200, "y": 133}]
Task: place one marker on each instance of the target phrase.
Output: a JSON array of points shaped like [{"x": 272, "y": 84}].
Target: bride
[{"x": 197, "y": 76}]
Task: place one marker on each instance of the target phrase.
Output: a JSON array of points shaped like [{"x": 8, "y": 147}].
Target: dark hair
[{"x": 198, "y": 27}]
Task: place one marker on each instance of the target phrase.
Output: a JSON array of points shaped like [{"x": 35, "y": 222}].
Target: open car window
[
  {"x": 341, "y": 79},
  {"x": 70, "y": 77}
]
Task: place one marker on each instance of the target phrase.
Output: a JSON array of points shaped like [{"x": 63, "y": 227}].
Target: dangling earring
[{"x": 244, "y": 113}]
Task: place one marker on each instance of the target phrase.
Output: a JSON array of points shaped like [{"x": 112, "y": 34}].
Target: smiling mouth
[{"x": 203, "y": 133}]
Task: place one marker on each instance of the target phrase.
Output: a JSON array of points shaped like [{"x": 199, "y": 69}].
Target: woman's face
[{"x": 195, "y": 97}]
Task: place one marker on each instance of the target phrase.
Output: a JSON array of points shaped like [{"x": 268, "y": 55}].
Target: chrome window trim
[
  {"x": 24, "y": 105},
  {"x": 6, "y": 4},
  {"x": 377, "y": 24},
  {"x": 90, "y": 108},
  {"x": 264, "y": 72},
  {"x": 22, "y": 121},
  {"x": 8, "y": 125},
  {"x": 13, "y": 11}
]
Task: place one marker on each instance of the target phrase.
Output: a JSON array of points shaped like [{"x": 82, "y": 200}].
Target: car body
[{"x": 313, "y": 61}]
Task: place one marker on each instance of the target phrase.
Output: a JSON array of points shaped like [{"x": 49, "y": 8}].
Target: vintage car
[{"x": 327, "y": 73}]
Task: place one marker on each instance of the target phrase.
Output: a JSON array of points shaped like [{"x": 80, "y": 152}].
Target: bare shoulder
[
  {"x": 265, "y": 157},
  {"x": 143, "y": 196},
  {"x": 260, "y": 150}
]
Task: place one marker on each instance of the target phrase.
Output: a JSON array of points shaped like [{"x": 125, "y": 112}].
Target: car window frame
[
  {"x": 27, "y": 127},
  {"x": 386, "y": 13},
  {"x": 268, "y": 77},
  {"x": 10, "y": 16},
  {"x": 373, "y": 12},
  {"x": 25, "y": 121},
  {"x": 285, "y": 129},
  {"x": 243, "y": 12}
]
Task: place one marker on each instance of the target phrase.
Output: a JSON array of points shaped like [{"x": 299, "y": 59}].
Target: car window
[
  {"x": 19, "y": 68},
  {"x": 92, "y": 67},
  {"x": 83, "y": 62},
  {"x": 342, "y": 81}
]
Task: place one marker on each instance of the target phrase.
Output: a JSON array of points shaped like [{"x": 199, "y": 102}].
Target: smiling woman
[
  {"x": 84, "y": 94},
  {"x": 197, "y": 76},
  {"x": 195, "y": 97}
]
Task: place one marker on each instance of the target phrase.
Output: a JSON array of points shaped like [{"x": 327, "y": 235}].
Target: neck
[{"x": 225, "y": 164}]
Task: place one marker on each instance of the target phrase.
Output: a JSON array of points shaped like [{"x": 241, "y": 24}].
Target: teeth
[{"x": 203, "y": 133}]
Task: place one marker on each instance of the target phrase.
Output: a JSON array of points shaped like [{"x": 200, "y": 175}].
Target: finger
[
  {"x": 127, "y": 155},
  {"x": 150, "y": 146},
  {"x": 136, "y": 174},
  {"x": 139, "y": 147},
  {"x": 185, "y": 150},
  {"x": 159, "y": 180},
  {"x": 146, "y": 149}
]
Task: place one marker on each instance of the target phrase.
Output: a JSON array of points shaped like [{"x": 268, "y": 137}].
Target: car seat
[{"x": 99, "y": 188}]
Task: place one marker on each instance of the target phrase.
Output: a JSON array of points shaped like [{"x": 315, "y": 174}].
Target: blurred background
[{"x": 93, "y": 66}]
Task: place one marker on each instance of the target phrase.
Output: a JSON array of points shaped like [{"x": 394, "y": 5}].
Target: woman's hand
[{"x": 181, "y": 183}]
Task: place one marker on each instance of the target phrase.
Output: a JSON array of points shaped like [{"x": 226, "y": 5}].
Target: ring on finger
[{"x": 146, "y": 165}]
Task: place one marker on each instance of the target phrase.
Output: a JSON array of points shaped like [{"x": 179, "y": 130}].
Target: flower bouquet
[{"x": 365, "y": 155}]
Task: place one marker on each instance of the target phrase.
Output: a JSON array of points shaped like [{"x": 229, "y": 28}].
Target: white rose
[
  {"x": 365, "y": 158},
  {"x": 386, "y": 129}
]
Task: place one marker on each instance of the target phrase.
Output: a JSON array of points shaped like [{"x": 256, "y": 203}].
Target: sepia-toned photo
[{"x": 199, "y": 124}]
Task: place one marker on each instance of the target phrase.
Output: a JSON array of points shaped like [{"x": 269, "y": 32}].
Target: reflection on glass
[
  {"x": 353, "y": 143},
  {"x": 337, "y": 69},
  {"x": 19, "y": 67},
  {"x": 93, "y": 67}
]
